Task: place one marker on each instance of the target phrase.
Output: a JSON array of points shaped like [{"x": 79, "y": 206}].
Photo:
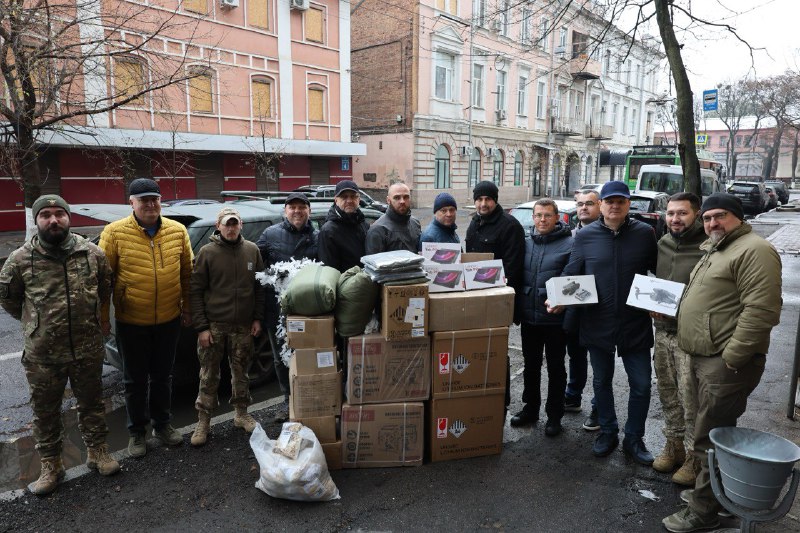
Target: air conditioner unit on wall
[
  {"x": 463, "y": 150},
  {"x": 491, "y": 152},
  {"x": 299, "y": 4},
  {"x": 229, "y": 3},
  {"x": 501, "y": 114}
]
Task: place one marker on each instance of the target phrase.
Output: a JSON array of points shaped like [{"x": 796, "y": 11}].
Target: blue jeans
[
  {"x": 638, "y": 367},
  {"x": 148, "y": 353},
  {"x": 578, "y": 367}
]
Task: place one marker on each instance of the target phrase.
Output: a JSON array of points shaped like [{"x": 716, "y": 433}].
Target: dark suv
[
  {"x": 752, "y": 194},
  {"x": 327, "y": 191},
  {"x": 200, "y": 222},
  {"x": 781, "y": 191}
]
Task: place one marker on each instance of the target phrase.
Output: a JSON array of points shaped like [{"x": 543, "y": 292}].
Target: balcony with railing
[
  {"x": 567, "y": 126},
  {"x": 581, "y": 64}
]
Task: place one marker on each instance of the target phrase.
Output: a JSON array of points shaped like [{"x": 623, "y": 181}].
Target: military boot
[
  {"x": 242, "y": 419},
  {"x": 687, "y": 474},
  {"x": 52, "y": 472},
  {"x": 201, "y": 431},
  {"x": 99, "y": 459},
  {"x": 674, "y": 455}
]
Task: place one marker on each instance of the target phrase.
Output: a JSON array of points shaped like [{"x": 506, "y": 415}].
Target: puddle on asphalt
[{"x": 19, "y": 460}]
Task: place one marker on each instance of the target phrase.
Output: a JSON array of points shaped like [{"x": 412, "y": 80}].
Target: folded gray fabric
[{"x": 390, "y": 261}]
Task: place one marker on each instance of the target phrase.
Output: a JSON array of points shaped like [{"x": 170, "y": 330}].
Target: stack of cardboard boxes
[{"x": 316, "y": 381}]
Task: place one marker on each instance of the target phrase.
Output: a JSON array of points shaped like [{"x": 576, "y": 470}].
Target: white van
[{"x": 669, "y": 179}]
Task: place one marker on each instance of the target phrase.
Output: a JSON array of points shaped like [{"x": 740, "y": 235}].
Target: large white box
[
  {"x": 443, "y": 253},
  {"x": 444, "y": 278},
  {"x": 655, "y": 294},
  {"x": 571, "y": 290},
  {"x": 484, "y": 274}
]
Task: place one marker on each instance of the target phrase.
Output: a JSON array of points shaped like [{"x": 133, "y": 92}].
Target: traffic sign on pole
[
  {"x": 710, "y": 100},
  {"x": 701, "y": 139}
]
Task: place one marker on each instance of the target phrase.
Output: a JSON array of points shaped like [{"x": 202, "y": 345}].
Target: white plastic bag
[{"x": 293, "y": 467}]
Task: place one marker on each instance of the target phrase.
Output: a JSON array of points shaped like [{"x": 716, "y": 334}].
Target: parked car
[
  {"x": 780, "y": 189},
  {"x": 327, "y": 191},
  {"x": 590, "y": 187},
  {"x": 753, "y": 195},
  {"x": 651, "y": 207},
  {"x": 772, "y": 201},
  {"x": 567, "y": 213},
  {"x": 669, "y": 179},
  {"x": 200, "y": 221},
  {"x": 192, "y": 201}
]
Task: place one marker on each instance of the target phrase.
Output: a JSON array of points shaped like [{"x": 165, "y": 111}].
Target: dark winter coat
[
  {"x": 393, "y": 231},
  {"x": 283, "y": 242},
  {"x": 614, "y": 258},
  {"x": 677, "y": 256},
  {"x": 342, "y": 238},
  {"x": 545, "y": 258},
  {"x": 223, "y": 287},
  {"x": 501, "y": 234},
  {"x": 438, "y": 232}
]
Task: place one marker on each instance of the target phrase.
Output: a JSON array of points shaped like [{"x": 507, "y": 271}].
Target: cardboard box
[
  {"x": 487, "y": 308},
  {"x": 404, "y": 311},
  {"x": 379, "y": 435},
  {"x": 472, "y": 257},
  {"x": 380, "y": 371},
  {"x": 309, "y": 331},
  {"x": 571, "y": 290},
  {"x": 484, "y": 275},
  {"x": 656, "y": 294},
  {"x": 444, "y": 278},
  {"x": 465, "y": 427},
  {"x": 333, "y": 454},
  {"x": 324, "y": 427},
  {"x": 442, "y": 253},
  {"x": 314, "y": 395},
  {"x": 316, "y": 361},
  {"x": 469, "y": 362}
]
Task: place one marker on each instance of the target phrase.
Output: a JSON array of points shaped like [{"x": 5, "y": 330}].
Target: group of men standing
[{"x": 60, "y": 286}]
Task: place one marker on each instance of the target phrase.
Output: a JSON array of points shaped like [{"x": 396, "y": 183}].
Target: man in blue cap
[
  {"x": 443, "y": 226},
  {"x": 614, "y": 250}
]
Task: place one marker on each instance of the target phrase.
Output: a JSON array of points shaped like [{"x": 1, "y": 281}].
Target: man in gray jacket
[
  {"x": 396, "y": 229},
  {"x": 729, "y": 307}
]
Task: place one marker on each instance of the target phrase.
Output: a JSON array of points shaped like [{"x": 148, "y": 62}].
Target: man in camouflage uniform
[
  {"x": 678, "y": 253},
  {"x": 55, "y": 284},
  {"x": 227, "y": 309}
]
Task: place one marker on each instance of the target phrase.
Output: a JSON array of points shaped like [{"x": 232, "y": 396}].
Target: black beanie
[
  {"x": 485, "y": 188},
  {"x": 723, "y": 200}
]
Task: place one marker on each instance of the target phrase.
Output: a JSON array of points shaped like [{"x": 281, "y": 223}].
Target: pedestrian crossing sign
[{"x": 701, "y": 138}]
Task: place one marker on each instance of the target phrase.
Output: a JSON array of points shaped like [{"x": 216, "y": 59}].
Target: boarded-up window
[
  {"x": 451, "y": 6},
  {"x": 129, "y": 80},
  {"x": 198, "y": 6},
  {"x": 262, "y": 98},
  {"x": 200, "y": 93},
  {"x": 316, "y": 106},
  {"x": 313, "y": 20},
  {"x": 257, "y": 13}
]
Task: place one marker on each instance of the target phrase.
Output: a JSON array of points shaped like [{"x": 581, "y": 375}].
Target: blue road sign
[{"x": 710, "y": 100}]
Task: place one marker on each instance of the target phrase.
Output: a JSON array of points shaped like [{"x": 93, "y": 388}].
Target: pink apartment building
[{"x": 272, "y": 78}]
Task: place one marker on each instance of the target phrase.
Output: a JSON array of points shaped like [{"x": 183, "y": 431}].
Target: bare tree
[
  {"x": 739, "y": 100},
  {"x": 780, "y": 96},
  {"x": 66, "y": 64}
]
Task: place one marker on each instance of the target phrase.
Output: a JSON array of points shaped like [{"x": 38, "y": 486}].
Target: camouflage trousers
[
  {"x": 238, "y": 343},
  {"x": 47, "y": 383},
  {"x": 675, "y": 389}
]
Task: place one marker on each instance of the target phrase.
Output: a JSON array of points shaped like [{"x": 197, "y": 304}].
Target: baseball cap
[
  {"x": 614, "y": 188},
  {"x": 296, "y": 196},
  {"x": 226, "y": 214},
  {"x": 144, "y": 187},
  {"x": 346, "y": 185}
]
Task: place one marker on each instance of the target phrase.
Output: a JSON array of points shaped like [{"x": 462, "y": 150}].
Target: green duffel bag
[
  {"x": 311, "y": 292},
  {"x": 356, "y": 294}
]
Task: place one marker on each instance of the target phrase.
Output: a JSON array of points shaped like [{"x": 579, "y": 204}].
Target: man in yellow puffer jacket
[{"x": 151, "y": 258}]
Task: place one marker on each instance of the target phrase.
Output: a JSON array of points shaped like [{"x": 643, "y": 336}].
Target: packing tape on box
[
  {"x": 486, "y": 366},
  {"x": 450, "y": 360},
  {"x": 403, "y": 442},
  {"x": 363, "y": 364},
  {"x": 358, "y": 433}
]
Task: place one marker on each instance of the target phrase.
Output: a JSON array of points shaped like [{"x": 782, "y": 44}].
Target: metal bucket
[{"x": 754, "y": 465}]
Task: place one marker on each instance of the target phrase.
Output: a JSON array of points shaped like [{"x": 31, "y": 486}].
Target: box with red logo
[
  {"x": 469, "y": 362},
  {"x": 470, "y": 426},
  {"x": 380, "y": 371},
  {"x": 379, "y": 435},
  {"x": 404, "y": 312}
]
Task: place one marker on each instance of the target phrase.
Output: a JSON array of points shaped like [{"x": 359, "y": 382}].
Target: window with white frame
[
  {"x": 638, "y": 71},
  {"x": 522, "y": 95},
  {"x": 505, "y": 17},
  {"x": 443, "y": 76},
  {"x": 628, "y": 72},
  {"x": 544, "y": 33},
  {"x": 479, "y": 12},
  {"x": 541, "y": 99},
  {"x": 501, "y": 90},
  {"x": 607, "y": 63},
  {"x": 477, "y": 85},
  {"x": 614, "y": 112},
  {"x": 624, "y": 120},
  {"x": 578, "y": 105},
  {"x": 562, "y": 39},
  {"x": 525, "y": 27},
  {"x": 450, "y": 6},
  {"x": 633, "y": 121}
]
